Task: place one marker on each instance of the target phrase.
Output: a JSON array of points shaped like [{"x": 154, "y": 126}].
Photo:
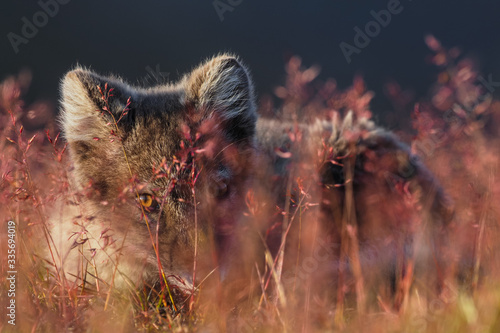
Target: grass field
[{"x": 455, "y": 132}]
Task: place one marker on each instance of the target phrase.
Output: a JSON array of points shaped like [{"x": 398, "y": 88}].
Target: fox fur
[{"x": 204, "y": 135}]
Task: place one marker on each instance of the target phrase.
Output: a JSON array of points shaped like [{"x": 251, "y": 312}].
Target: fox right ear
[
  {"x": 83, "y": 103},
  {"x": 222, "y": 87}
]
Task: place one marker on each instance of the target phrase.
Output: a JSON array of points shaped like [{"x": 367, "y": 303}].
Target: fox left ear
[
  {"x": 89, "y": 104},
  {"x": 83, "y": 103},
  {"x": 222, "y": 87}
]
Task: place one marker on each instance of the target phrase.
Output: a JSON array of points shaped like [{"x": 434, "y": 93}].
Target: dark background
[{"x": 125, "y": 37}]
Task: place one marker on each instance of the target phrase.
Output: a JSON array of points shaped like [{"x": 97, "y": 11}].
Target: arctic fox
[{"x": 165, "y": 175}]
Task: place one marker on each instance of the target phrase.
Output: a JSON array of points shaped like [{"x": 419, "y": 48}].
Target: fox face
[{"x": 164, "y": 172}]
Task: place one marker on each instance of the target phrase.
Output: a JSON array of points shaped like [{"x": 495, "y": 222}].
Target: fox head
[{"x": 163, "y": 169}]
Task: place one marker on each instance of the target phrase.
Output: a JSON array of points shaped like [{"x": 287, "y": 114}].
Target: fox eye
[
  {"x": 147, "y": 201},
  {"x": 221, "y": 189}
]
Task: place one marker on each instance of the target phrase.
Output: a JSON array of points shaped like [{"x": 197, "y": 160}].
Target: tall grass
[{"x": 455, "y": 132}]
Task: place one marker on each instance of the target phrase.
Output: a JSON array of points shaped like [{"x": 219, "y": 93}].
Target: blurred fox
[{"x": 165, "y": 178}]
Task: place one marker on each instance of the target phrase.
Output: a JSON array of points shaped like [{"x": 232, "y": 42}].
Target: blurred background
[{"x": 155, "y": 41}]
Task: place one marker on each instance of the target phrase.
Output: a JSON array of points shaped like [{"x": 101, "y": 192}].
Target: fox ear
[
  {"x": 89, "y": 104},
  {"x": 85, "y": 112},
  {"x": 222, "y": 87}
]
